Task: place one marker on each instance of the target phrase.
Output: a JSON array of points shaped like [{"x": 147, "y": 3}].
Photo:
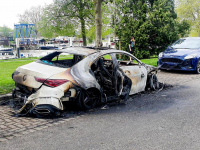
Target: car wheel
[
  {"x": 87, "y": 99},
  {"x": 154, "y": 84},
  {"x": 198, "y": 67}
]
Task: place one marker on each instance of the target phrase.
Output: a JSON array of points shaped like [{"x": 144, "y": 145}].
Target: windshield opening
[{"x": 187, "y": 44}]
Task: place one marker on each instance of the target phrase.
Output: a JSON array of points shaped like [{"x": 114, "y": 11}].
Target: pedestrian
[{"x": 131, "y": 46}]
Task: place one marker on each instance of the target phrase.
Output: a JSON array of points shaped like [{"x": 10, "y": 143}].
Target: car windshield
[{"x": 187, "y": 43}]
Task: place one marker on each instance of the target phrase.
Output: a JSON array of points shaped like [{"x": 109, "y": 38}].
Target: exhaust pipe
[
  {"x": 45, "y": 110},
  {"x": 42, "y": 111}
]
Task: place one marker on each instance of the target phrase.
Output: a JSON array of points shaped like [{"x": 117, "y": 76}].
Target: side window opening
[
  {"x": 64, "y": 60},
  {"x": 105, "y": 62},
  {"x": 107, "y": 57},
  {"x": 124, "y": 60}
]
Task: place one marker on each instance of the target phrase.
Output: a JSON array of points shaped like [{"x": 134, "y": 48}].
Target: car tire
[
  {"x": 87, "y": 99},
  {"x": 198, "y": 67},
  {"x": 154, "y": 83}
]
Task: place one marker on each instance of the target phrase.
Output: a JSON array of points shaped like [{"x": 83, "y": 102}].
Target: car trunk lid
[{"x": 26, "y": 74}]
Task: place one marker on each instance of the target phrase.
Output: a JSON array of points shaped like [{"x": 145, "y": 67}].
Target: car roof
[
  {"x": 85, "y": 51},
  {"x": 78, "y": 51}
]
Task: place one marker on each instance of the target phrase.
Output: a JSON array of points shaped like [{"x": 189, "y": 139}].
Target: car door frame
[{"x": 137, "y": 74}]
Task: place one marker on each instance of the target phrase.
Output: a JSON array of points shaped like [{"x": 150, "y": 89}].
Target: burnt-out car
[{"x": 85, "y": 76}]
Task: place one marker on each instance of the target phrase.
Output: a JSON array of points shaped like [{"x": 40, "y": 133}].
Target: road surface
[{"x": 166, "y": 120}]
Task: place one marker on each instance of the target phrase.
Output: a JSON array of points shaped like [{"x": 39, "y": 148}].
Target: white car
[{"x": 83, "y": 75}]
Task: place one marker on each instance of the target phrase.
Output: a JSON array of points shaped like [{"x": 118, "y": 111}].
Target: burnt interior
[
  {"x": 126, "y": 63},
  {"x": 104, "y": 74},
  {"x": 111, "y": 78},
  {"x": 53, "y": 59}
]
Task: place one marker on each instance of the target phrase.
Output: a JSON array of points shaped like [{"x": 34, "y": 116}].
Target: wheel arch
[
  {"x": 81, "y": 95},
  {"x": 99, "y": 92}
]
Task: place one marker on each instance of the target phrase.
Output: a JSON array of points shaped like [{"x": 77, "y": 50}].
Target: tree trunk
[
  {"x": 83, "y": 32},
  {"x": 82, "y": 23},
  {"x": 98, "y": 23}
]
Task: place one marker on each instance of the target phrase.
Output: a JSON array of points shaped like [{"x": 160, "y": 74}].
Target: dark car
[{"x": 181, "y": 55}]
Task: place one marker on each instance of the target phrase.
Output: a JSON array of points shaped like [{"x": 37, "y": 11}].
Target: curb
[{"x": 5, "y": 97}]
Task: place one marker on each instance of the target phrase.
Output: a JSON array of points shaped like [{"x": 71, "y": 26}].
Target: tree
[
  {"x": 190, "y": 11},
  {"x": 68, "y": 14},
  {"x": 53, "y": 24},
  {"x": 32, "y": 16},
  {"x": 153, "y": 23},
  {"x": 105, "y": 25},
  {"x": 5, "y": 31}
]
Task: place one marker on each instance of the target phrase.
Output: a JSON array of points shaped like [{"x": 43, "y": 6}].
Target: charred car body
[{"x": 86, "y": 76}]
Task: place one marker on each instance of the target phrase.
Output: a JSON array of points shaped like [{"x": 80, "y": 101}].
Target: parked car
[
  {"x": 181, "y": 55},
  {"x": 7, "y": 55},
  {"x": 85, "y": 76}
]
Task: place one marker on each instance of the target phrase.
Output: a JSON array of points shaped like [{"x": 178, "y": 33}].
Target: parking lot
[
  {"x": 176, "y": 78},
  {"x": 12, "y": 126}
]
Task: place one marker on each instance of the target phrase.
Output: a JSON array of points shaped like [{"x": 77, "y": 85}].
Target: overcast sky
[{"x": 9, "y": 9}]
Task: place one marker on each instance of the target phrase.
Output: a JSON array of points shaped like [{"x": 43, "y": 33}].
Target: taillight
[
  {"x": 55, "y": 82},
  {"x": 41, "y": 80},
  {"x": 51, "y": 82}
]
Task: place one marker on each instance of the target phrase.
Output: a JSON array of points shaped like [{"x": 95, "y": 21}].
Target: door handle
[
  {"x": 142, "y": 75},
  {"x": 127, "y": 72}
]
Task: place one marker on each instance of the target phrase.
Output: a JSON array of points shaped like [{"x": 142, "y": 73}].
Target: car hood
[{"x": 179, "y": 52}]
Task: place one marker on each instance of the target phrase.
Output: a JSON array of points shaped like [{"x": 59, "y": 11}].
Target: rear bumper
[
  {"x": 45, "y": 110},
  {"x": 46, "y": 96},
  {"x": 43, "y": 96},
  {"x": 39, "y": 106}
]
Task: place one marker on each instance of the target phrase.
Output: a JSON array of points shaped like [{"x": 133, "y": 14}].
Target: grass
[
  {"x": 6, "y": 70},
  {"x": 152, "y": 61},
  {"x": 7, "y": 67}
]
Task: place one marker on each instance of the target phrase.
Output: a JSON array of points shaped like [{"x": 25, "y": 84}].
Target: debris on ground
[{"x": 105, "y": 107}]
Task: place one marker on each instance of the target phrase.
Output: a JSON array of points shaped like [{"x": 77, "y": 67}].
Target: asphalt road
[{"x": 168, "y": 120}]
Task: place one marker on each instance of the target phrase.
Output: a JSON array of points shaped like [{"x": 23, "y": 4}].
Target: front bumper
[{"x": 177, "y": 64}]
